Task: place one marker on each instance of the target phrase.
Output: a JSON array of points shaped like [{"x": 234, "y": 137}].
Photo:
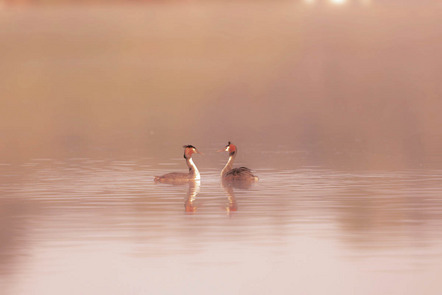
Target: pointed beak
[
  {"x": 221, "y": 150},
  {"x": 198, "y": 152}
]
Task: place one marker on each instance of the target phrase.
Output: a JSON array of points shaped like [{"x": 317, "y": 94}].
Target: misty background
[{"x": 350, "y": 85}]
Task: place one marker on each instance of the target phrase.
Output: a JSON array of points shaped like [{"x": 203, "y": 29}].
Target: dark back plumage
[{"x": 239, "y": 171}]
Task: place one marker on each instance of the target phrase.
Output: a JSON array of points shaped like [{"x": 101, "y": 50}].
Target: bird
[
  {"x": 179, "y": 177},
  {"x": 241, "y": 174}
]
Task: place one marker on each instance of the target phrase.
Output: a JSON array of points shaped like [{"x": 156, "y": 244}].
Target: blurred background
[{"x": 349, "y": 83}]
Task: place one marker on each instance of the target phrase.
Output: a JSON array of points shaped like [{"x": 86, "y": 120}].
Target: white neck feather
[
  {"x": 192, "y": 169},
  {"x": 229, "y": 165}
]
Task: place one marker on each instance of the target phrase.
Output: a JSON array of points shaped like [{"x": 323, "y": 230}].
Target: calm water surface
[{"x": 86, "y": 225}]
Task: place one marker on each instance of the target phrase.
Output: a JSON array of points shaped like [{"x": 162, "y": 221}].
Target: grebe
[
  {"x": 177, "y": 177},
  {"x": 241, "y": 174}
]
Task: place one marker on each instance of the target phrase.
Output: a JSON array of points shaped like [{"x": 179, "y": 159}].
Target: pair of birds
[{"x": 228, "y": 174}]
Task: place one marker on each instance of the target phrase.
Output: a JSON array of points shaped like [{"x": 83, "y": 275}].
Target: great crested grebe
[
  {"x": 241, "y": 174},
  {"x": 178, "y": 177}
]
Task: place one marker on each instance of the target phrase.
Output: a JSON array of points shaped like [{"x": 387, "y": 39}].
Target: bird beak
[
  {"x": 221, "y": 150},
  {"x": 198, "y": 152}
]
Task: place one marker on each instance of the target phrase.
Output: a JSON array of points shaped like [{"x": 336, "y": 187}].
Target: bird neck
[
  {"x": 229, "y": 165},
  {"x": 193, "y": 171}
]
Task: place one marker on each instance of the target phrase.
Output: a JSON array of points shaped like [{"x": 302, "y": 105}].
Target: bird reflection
[
  {"x": 231, "y": 206},
  {"x": 194, "y": 189}
]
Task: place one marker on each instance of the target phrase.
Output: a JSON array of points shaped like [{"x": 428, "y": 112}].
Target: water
[
  {"x": 103, "y": 226},
  {"x": 335, "y": 107}
]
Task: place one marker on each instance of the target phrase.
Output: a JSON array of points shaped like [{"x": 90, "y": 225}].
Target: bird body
[
  {"x": 241, "y": 174},
  {"x": 179, "y": 177}
]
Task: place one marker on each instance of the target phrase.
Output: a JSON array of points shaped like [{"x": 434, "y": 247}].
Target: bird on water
[
  {"x": 179, "y": 177},
  {"x": 241, "y": 174}
]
